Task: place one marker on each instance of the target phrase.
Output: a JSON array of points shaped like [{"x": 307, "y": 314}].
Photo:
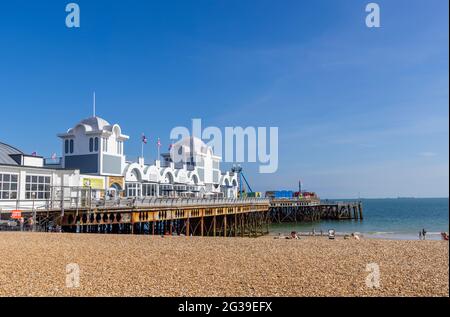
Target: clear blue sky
[{"x": 358, "y": 109}]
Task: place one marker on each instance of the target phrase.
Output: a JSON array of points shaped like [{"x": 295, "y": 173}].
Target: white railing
[
  {"x": 74, "y": 203},
  {"x": 178, "y": 202}
]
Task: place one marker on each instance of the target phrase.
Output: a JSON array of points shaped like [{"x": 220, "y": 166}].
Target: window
[
  {"x": 216, "y": 177},
  {"x": 149, "y": 190},
  {"x": 201, "y": 173},
  {"x": 91, "y": 144},
  {"x": 71, "y": 146},
  {"x": 119, "y": 147},
  {"x": 66, "y": 146},
  {"x": 8, "y": 186},
  {"x": 105, "y": 145},
  {"x": 96, "y": 144},
  {"x": 133, "y": 189},
  {"x": 37, "y": 187}
]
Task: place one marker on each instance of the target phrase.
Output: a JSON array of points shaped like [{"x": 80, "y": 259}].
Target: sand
[{"x": 34, "y": 264}]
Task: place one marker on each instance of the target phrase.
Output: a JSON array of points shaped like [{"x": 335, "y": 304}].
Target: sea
[{"x": 396, "y": 218}]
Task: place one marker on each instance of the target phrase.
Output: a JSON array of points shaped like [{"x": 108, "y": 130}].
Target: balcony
[
  {"x": 193, "y": 188},
  {"x": 53, "y": 161},
  {"x": 168, "y": 187},
  {"x": 180, "y": 187}
]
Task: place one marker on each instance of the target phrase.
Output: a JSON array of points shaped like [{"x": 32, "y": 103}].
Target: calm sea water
[{"x": 401, "y": 218}]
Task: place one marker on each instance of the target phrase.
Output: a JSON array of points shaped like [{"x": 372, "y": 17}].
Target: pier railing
[
  {"x": 292, "y": 210},
  {"x": 177, "y": 202},
  {"x": 151, "y": 202}
]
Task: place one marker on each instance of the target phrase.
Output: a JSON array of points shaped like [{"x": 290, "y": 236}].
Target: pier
[
  {"x": 295, "y": 210},
  {"x": 162, "y": 216},
  {"x": 74, "y": 210}
]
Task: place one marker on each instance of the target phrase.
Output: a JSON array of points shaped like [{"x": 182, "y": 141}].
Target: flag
[
  {"x": 144, "y": 138},
  {"x": 158, "y": 143},
  {"x": 34, "y": 154},
  {"x": 170, "y": 146},
  {"x": 53, "y": 157}
]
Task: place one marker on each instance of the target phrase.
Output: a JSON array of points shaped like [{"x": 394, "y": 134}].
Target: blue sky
[{"x": 359, "y": 110}]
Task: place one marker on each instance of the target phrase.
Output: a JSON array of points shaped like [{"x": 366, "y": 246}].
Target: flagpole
[
  {"x": 159, "y": 145},
  {"x": 93, "y": 104}
]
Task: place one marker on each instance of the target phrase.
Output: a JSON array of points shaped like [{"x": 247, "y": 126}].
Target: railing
[
  {"x": 53, "y": 161},
  {"x": 177, "y": 202},
  {"x": 193, "y": 188},
  {"x": 77, "y": 203}
]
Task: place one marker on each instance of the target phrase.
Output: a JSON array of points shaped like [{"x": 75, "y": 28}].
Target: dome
[
  {"x": 5, "y": 152},
  {"x": 95, "y": 123},
  {"x": 186, "y": 144}
]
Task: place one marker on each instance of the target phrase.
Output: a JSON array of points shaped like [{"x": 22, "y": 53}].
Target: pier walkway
[{"x": 183, "y": 216}]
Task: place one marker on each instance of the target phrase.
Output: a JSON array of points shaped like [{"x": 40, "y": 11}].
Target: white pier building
[{"x": 93, "y": 157}]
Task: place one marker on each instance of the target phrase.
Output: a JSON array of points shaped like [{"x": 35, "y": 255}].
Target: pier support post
[
  {"x": 201, "y": 226},
  {"x": 225, "y": 225},
  {"x": 360, "y": 211},
  {"x": 187, "y": 227},
  {"x": 235, "y": 224}
]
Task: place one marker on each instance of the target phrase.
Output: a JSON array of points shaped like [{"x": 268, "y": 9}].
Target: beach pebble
[{"x": 138, "y": 265}]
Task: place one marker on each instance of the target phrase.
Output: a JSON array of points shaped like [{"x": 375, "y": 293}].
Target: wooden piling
[{"x": 225, "y": 225}]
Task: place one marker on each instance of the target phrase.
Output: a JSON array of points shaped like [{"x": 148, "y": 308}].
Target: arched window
[
  {"x": 91, "y": 144},
  {"x": 71, "y": 146},
  {"x": 119, "y": 147},
  {"x": 96, "y": 144},
  {"x": 66, "y": 146}
]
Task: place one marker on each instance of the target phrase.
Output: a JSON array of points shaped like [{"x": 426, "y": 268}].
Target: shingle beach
[{"x": 34, "y": 264}]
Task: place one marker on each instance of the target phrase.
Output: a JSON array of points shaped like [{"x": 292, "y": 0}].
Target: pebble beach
[{"x": 35, "y": 264}]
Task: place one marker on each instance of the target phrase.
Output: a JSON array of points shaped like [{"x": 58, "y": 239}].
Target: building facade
[{"x": 93, "y": 158}]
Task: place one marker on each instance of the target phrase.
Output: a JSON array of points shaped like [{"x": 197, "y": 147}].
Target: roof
[
  {"x": 5, "y": 151},
  {"x": 189, "y": 144},
  {"x": 95, "y": 123}
]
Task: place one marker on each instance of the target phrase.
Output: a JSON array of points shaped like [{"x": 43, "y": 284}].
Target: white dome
[
  {"x": 188, "y": 144},
  {"x": 95, "y": 124}
]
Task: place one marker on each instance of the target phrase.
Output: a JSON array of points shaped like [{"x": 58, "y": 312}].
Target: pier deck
[
  {"x": 185, "y": 216},
  {"x": 203, "y": 217}
]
